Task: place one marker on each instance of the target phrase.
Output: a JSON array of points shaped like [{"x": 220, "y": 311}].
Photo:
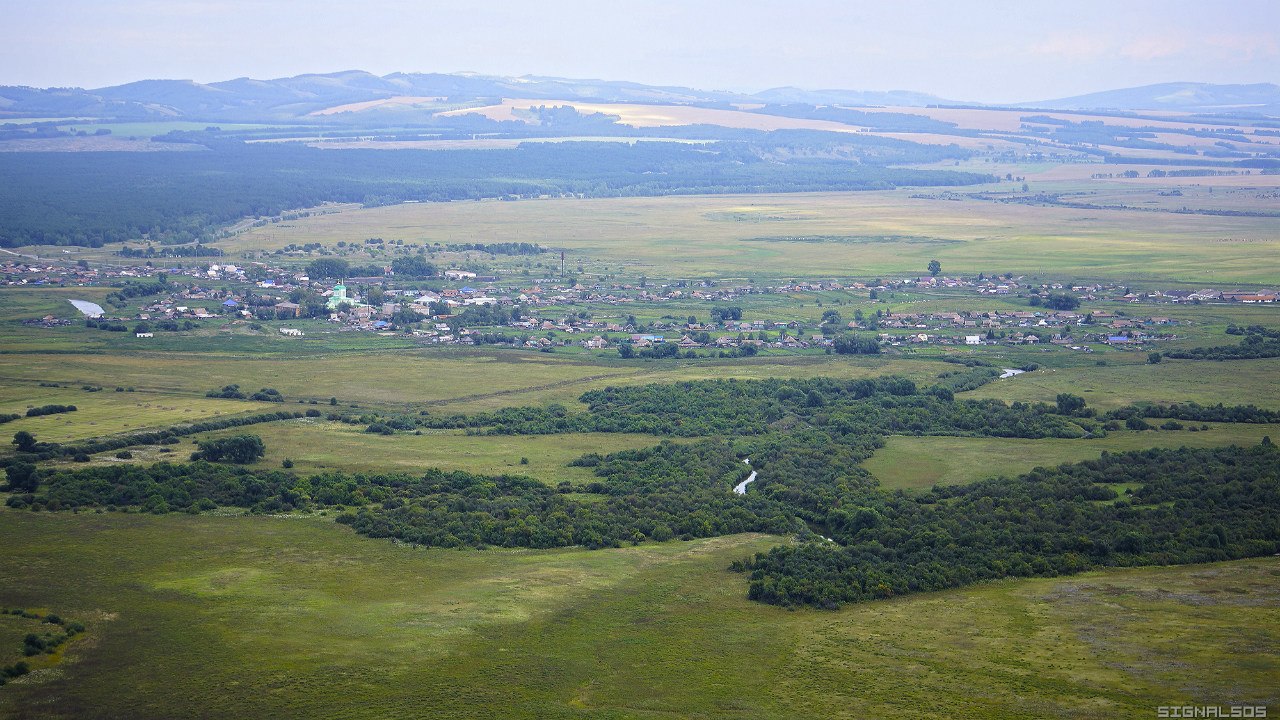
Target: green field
[
  {"x": 316, "y": 445},
  {"x": 443, "y": 381},
  {"x": 888, "y": 233},
  {"x": 1116, "y": 384},
  {"x": 922, "y": 462},
  {"x": 108, "y": 412},
  {"x": 256, "y": 617}
]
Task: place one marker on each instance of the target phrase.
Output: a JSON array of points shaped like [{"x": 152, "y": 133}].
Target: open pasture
[
  {"x": 1115, "y": 384},
  {"x": 263, "y": 616},
  {"x": 440, "y": 381},
  {"x": 315, "y": 445},
  {"x": 922, "y": 462},
  {"x": 769, "y": 236},
  {"x": 108, "y": 412}
]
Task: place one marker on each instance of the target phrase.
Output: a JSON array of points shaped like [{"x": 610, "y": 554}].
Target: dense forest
[
  {"x": 1182, "y": 506},
  {"x": 1189, "y": 506},
  {"x": 760, "y": 407},
  {"x": 184, "y": 197}
]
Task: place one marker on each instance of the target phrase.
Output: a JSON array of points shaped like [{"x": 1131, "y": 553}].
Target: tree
[
  {"x": 238, "y": 449},
  {"x": 1154, "y": 358},
  {"x": 25, "y": 441},
  {"x": 854, "y": 345},
  {"x": 935, "y": 267},
  {"x": 1062, "y": 301},
  {"x": 328, "y": 268},
  {"x": 413, "y": 266},
  {"x": 22, "y": 477},
  {"x": 1069, "y": 404}
]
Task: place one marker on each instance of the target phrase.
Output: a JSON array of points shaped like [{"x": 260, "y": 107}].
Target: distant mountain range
[{"x": 297, "y": 98}]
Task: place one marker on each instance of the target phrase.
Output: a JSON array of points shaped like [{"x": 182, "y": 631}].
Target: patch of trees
[
  {"x": 886, "y": 122},
  {"x": 851, "y": 344},
  {"x": 240, "y": 449},
  {"x": 502, "y": 248},
  {"x": 22, "y": 477},
  {"x": 723, "y": 314},
  {"x": 335, "y": 268},
  {"x": 760, "y": 407},
  {"x": 184, "y": 198},
  {"x": 1258, "y": 342},
  {"x": 413, "y": 266},
  {"x": 9, "y": 417},
  {"x": 233, "y": 392},
  {"x": 1061, "y": 301},
  {"x": 139, "y": 288},
  {"x": 50, "y": 410},
  {"x": 46, "y": 642},
  {"x": 170, "y": 251},
  {"x": 480, "y": 316},
  {"x": 1195, "y": 412},
  {"x": 106, "y": 324},
  {"x": 966, "y": 380},
  {"x": 1191, "y": 506}
]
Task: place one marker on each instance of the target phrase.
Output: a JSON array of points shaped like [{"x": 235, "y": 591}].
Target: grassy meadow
[
  {"x": 922, "y": 462},
  {"x": 108, "y": 412},
  {"x": 866, "y": 234},
  {"x": 263, "y": 616},
  {"x": 316, "y": 445}
]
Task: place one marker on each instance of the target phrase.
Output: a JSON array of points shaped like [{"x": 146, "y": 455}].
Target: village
[{"x": 463, "y": 307}]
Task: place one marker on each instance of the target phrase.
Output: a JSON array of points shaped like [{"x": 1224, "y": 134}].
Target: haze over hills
[
  {"x": 293, "y": 98},
  {"x": 1263, "y": 98}
]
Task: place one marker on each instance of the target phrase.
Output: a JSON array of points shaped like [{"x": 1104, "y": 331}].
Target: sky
[{"x": 992, "y": 51}]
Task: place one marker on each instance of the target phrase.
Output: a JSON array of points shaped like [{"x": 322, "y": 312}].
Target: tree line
[{"x": 183, "y": 198}]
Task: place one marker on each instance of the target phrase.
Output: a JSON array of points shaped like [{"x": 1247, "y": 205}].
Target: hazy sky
[{"x": 983, "y": 51}]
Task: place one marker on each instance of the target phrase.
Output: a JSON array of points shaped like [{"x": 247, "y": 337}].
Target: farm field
[
  {"x": 873, "y": 233},
  {"x": 922, "y": 462},
  {"x": 293, "y": 616}
]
